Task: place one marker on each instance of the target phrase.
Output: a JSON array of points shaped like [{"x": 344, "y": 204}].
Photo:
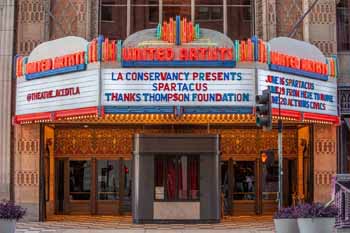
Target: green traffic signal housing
[{"x": 263, "y": 110}]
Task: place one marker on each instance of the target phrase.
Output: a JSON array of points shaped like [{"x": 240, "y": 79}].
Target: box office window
[{"x": 176, "y": 178}]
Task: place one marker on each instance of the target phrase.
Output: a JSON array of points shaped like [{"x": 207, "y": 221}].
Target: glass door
[
  {"x": 108, "y": 186},
  {"x": 126, "y": 187},
  {"x": 80, "y": 186},
  {"x": 244, "y": 187},
  {"x": 226, "y": 201},
  {"x": 269, "y": 186}
]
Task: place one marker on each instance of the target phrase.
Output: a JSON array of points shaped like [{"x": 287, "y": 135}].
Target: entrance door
[
  {"x": 244, "y": 188},
  {"x": 108, "y": 186},
  {"x": 59, "y": 187},
  {"x": 80, "y": 180},
  {"x": 125, "y": 191},
  {"x": 93, "y": 186},
  {"x": 226, "y": 201}
]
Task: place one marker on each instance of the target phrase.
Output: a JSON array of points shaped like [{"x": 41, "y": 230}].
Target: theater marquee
[
  {"x": 299, "y": 93},
  {"x": 60, "y": 92},
  {"x": 183, "y": 87}
]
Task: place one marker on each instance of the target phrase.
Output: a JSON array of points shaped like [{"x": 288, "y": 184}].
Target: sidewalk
[{"x": 88, "y": 224}]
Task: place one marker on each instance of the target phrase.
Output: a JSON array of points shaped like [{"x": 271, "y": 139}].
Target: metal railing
[
  {"x": 342, "y": 200},
  {"x": 344, "y": 102}
]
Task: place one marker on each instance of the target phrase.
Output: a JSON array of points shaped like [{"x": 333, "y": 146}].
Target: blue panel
[
  {"x": 177, "y": 30},
  {"x": 228, "y": 64},
  {"x": 218, "y": 110},
  {"x": 56, "y": 72},
  {"x": 139, "y": 110},
  {"x": 307, "y": 74},
  {"x": 99, "y": 51},
  {"x": 255, "y": 40}
]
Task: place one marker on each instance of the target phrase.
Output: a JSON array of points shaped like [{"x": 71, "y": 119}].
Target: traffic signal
[
  {"x": 263, "y": 111},
  {"x": 267, "y": 157}
]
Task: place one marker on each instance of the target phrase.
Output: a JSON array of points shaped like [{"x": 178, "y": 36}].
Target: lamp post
[{"x": 280, "y": 157}]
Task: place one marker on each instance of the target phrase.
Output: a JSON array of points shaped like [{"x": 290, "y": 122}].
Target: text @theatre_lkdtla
[{"x": 178, "y": 86}]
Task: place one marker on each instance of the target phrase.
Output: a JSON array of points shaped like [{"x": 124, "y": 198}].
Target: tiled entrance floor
[{"x": 117, "y": 224}]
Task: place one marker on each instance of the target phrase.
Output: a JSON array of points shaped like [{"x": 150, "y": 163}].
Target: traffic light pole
[{"x": 280, "y": 157}]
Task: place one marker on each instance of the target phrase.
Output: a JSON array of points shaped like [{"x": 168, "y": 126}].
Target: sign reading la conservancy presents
[
  {"x": 61, "y": 92},
  {"x": 182, "y": 87},
  {"x": 299, "y": 93}
]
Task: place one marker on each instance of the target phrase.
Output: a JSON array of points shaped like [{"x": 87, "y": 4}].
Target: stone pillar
[
  {"x": 265, "y": 19},
  {"x": 27, "y": 157},
  {"x": 7, "y": 8},
  {"x": 325, "y": 161}
]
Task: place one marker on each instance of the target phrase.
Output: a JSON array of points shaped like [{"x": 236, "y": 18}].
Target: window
[
  {"x": 80, "y": 180},
  {"x": 244, "y": 176},
  {"x": 113, "y": 19},
  {"x": 106, "y": 13},
  {"x": 209, "y": 14},
  {"x": 176, "y": 177},
  {"x": 107, "y": 179},
  {"x": 172, "y": 8},
  {"x": 239, "y": 19},
  {"x": 270, "y": 181},
  {"x": 343, "y": 26},
  {"x": 145, "y": 14},
  {"x": 153, "y": 16}
]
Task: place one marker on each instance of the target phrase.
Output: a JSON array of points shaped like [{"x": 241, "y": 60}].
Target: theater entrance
[
  {"x": 93, "y": 186},
  {"x": 250, "y": 187}
]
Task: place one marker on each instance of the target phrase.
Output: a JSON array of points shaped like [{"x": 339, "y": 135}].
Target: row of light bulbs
[{"x": 171, "y": 116}]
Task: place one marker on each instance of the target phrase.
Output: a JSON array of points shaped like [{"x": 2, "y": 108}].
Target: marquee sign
[
  {"x": 292, "y": 56},
  {"x": 300, "y": 94},
  {"x": 178, "y": 87},
  {"x": 175, "y": 68},
  {"x": 56, "y": 93}
]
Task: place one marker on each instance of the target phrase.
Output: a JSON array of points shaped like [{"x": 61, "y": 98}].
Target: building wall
[
  {"x": 7, "y": 11},
  {"x": 27, "y": 155},
  {"x": 343, "y": 84},
  {"x": 39, "y": 21},
  {"x": 325, "y": 161}
]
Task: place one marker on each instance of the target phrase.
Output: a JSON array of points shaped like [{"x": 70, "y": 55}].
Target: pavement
[{"x": 88, "y": 224}]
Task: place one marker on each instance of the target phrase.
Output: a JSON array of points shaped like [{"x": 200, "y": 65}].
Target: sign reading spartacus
[{"x": 183, "y": 87}]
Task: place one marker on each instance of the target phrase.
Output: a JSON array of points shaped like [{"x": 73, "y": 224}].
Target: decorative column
[
  {"x": 27, "y": 156},
  {"x": 265, "y": 19},
  {"x": 325, "y": 161},
  {"x": 7, "y": 9}
]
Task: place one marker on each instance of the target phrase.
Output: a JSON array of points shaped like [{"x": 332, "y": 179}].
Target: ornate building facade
[
  {"x": 343, "y": 15},
  {"x": 31, "y": 22}
]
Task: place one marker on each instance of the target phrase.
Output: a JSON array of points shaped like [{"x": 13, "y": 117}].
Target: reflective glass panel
[
  {"x": 270, "y": 181},
  {"x": 80, "y": 180},
  {"x": 244, "y": 177},
  {"x": 127, "y": 180},
  {"x": 108, "y": 179}
]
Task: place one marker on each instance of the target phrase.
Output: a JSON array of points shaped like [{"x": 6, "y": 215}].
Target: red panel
[
  {"x": 76, "y": 112},
  {"x": 49, "y": 115},
  {"x": 33, "y": 117},
  {"x": 321, "y": 117},
  {"x": 287, "y": 113}
]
